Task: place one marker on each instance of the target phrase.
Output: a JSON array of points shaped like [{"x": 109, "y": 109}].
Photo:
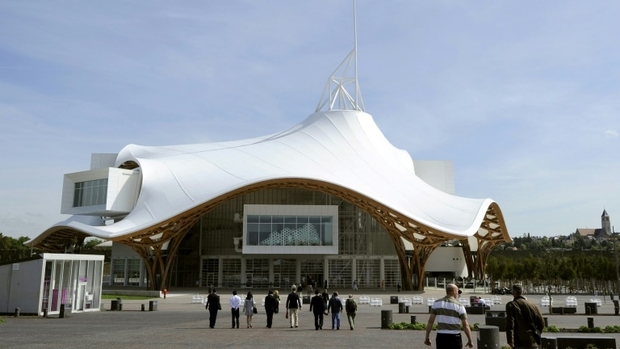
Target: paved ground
[{"x": 179, "y": 323}]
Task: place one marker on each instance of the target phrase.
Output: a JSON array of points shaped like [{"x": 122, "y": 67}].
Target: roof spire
[{"x": 335, "y": 95}]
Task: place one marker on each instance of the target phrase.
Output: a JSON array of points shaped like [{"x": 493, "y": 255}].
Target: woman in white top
[{"x": 248, "y": 308}]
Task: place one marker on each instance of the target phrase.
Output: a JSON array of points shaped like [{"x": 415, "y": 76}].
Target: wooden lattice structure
[{"x": 158, "y": 244}]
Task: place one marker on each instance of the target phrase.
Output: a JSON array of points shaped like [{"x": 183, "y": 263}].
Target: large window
[
  {"x": 90, "y": 193},
  {"x": 290, "y": 229},
  {"x": 272, "y": 230}
]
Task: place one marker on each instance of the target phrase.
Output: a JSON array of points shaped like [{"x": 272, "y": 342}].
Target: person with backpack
[
  {"x": 335, "y": 306},
  {"x": 350, "y": 307}
]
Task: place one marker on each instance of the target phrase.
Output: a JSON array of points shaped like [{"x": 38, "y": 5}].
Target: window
[
  {"x": 271, "y": 230},
  {"x": 90, "y": 193}
]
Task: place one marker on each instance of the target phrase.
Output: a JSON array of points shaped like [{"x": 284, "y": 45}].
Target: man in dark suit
[
  {"x": 213, "y": 305},
  {"x": 270, "y": 306},
  {"x": 317, "y": 307}
]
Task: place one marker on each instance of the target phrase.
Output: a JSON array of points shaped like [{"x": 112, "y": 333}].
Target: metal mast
[{"x": 335, "y": 95}]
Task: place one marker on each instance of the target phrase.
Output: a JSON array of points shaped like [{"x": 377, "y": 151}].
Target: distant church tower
[{"x": 605, "y": 224}]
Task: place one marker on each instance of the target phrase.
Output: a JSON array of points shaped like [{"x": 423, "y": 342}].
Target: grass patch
[{"x": 125, "y": 297}]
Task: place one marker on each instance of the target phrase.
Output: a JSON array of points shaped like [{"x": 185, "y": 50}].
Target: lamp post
[{"x": 617, "y": 268}]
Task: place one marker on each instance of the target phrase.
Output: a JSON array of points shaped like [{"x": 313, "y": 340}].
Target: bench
[
  {"x": 578, "y": 342},
  {"x": 475, "y": 310},
  {"x": 198, "y": 299},
  {"x": 376, "y": 302},
  {"x": 563, "y": 310},
  {"x": 364, "y": 299},
  {"x": 571, "y": 302},
  {"x": 417, "y": 300}
]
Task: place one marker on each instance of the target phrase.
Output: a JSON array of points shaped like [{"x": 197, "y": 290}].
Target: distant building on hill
[{"x": 603, "y": 233}]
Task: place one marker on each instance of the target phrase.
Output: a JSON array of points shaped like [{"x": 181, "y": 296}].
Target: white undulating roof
[{"x": 344, "y": 148}]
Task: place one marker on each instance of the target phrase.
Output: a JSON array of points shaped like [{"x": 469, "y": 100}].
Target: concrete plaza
[{"x": 179, "y": 323}]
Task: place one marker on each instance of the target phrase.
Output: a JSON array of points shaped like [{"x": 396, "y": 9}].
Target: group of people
[
  {"x": 321, "y": 304},
  {"x": 524, "y": 321},
  {"x": 237, "y": 305}
]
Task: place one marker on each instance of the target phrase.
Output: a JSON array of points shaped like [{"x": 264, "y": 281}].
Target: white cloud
[{"x": 611, "y": 133}]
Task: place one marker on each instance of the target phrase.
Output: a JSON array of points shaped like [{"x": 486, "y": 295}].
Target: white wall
[
  {"x": 438, "y": 173},
  {"x": 123, "y": 251},
  {"x": 447, "y": 259},
  {"x": 22, "y": 286}
]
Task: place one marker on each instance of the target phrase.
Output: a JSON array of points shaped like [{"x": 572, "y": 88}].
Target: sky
[{"x": 522, "y": 96}]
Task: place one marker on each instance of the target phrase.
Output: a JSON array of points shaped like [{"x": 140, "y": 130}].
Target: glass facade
[
  {"x": 368, "y": 273},
  {"x": 284, "y": 272},
  {"x": 217, "y": 240},
  {"x": 76, "y": 284},
  {"x": 278, "y": 230},
  {"x": 90, "y": 193},
  {"x": 210, "y": 270}
]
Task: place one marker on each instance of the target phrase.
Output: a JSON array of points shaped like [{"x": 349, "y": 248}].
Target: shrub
[
  {"x": 552, "y": 328},
  {"x": 407, "y": 326}
]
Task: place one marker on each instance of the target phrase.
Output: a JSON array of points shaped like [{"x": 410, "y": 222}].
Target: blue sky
[{"x": 523, "y": 96}]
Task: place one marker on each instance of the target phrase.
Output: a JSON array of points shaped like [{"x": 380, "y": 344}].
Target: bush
[
  {"x": 612, "y": 329},
  {"x": 586, "y": 329},
  {"x": 407, "y": 326},
  {"x": 551, "y": 329}
]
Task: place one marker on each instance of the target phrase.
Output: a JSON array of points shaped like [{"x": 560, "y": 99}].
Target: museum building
[{"x": 329, "y": 200}]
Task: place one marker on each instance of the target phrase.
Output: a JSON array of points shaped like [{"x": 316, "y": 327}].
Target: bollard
[
  {"x": 591, "y": 308},
  {"x": 488, "y": 336},
  {"x": 16, "y": 312},
  {"x": 44, "y": 312},
  {"x": 62, "y": 311},
  {"x": 386, "y": 318},
  {"x": 413, "y": 319},
  {"x": 142, "y": 307},
  {"x": 549, "y": 343},
  {"x": 546, "y": 320},
  {"x": 590, "y": 322}
]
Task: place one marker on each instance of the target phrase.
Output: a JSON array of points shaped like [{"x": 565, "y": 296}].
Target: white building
[
  {"x": 329, "y": 199},
  {"x": 46, "y": 282}
]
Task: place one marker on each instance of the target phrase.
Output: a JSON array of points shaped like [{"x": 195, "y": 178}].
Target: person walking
[
  {"x": 451, "y": 316},
  {"x": 248, "y": 308},
  {"x": 524, "y": 322},
  {"x": 325, "y": 299},
  {"x": 317, "y": 307},
  {"x": 335, "y": 306},
  {"x": 213, "y": 305},
  {"x": 350, "y": 306},
  {"x": 235, "y": 303},
  {"x": 271, "y": 304},
  {"x": 276, "y": 295},
  {"x": 293, "y": 304}
]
